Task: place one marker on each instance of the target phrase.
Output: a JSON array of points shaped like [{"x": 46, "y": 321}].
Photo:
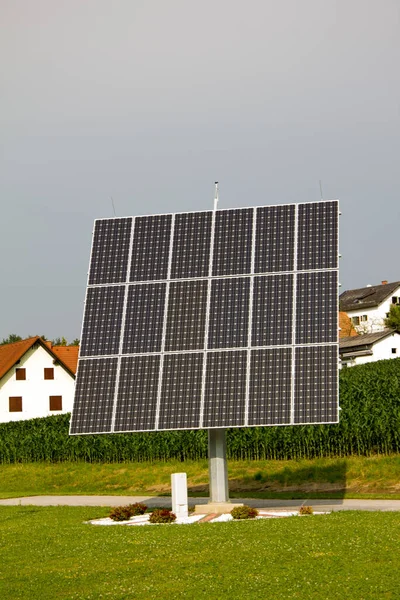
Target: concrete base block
[{"x": 219, "y": 508}]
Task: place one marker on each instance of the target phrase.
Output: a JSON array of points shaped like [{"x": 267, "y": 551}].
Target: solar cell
[
  {"x": 225, "y": 389},
  {"x": 144, "y": 318},
  {"x": 94, "y": 396},
  {"x": 181, "y": 391},
  {"x": 191, "y": 247},
  {"x": 229, "y": 312},
  {"x": 137, "y": 393},
  {"x": 270, "y": 386},
  {"x": 110, "y": 251},
  {"x": 102, "y": 321},
  {"x": 150, "y": 248},
  {"x": 211, "y": 319},
  {"x": 316, "y": 384},
  {"x": 272, "y": 310},
  {"x": 186, "y": 315},
  {"x": 232, "y": 243},
  {"x": 275, "y": 232},
  {"x": 317, "y": 307},
  {"x": 318, "y": 236}
]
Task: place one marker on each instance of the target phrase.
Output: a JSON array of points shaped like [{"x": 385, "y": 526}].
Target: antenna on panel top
[
  {"x": 112, "y": 202},
  {"x": 216, "y": 196}
]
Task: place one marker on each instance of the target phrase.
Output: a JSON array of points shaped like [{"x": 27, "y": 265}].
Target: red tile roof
[
  {"x": 67, "y": 355},
  {"x": 11, "y": 353}
]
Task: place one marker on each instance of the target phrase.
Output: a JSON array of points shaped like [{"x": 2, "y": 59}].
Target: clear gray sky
[{"x": 150, "y": 101}]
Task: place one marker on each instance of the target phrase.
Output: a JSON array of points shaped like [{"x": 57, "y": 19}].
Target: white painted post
[{"x": 179, "y": 495}]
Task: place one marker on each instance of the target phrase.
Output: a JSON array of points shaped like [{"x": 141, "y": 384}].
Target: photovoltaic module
[{"x": 225, "y": 318}]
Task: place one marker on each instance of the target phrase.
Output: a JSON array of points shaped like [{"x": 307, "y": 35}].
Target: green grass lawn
[
  {"x": 48, "y": 553},
  {"x": 351, "y": 477}
]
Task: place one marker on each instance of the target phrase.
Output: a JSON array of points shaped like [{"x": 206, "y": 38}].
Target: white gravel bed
[
  {"x": 271, "y": 514},
  {"x": 144, "y": 519}
]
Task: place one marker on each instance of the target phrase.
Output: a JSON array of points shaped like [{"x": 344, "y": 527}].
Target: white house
[
  {"x": 368, "y": 307},
  {"x": 369, "y": 347},
  {"x": 36, "y": 379}
]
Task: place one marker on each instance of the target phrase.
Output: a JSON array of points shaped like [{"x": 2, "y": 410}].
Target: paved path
[{"x": 154, "y": 501}]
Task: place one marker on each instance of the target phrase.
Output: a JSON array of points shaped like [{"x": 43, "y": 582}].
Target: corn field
[{"x": 369, "y": 424}]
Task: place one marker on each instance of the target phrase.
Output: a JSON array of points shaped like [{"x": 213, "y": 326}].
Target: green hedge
[{"x": 369, "y": 424}]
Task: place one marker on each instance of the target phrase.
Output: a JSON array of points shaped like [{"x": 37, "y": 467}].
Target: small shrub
[
  {"x": 124, "y": 513},
  {"x": 137, "y": 509},
  {"x": 120, "y": 513},
  {"x": 258, "y": 476},
  {"x": 244, "y": 512},
  {"x": 306, "y": 510},
  {"x": 162, "y": 515}
]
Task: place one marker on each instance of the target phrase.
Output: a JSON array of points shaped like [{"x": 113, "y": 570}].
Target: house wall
[
  {"x": 35, "y": 390},
  {"x": 380, "y": 351},
  {"x": 376, "y": 316}
]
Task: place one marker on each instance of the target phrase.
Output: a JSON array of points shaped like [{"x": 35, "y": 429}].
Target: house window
[
  {"x": 359, "y": 319},
  {"x": 15, "y": 403},
  {"x": 20, "y": 374},
  {"x": 49, "y": 373},
  {"x": 394, "y": 350},
  {"x": 55, "y": 402},
  {"x": 395, "y": 300}
]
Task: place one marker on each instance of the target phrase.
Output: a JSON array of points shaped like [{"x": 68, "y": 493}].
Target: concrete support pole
[{"x": 217, "y": 465}]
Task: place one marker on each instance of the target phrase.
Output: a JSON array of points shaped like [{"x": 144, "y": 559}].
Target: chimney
[
  {"x": 384, "y": 282},
  {"x": 48, "y": 344}
]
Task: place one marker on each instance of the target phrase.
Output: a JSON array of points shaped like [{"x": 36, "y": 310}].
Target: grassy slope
[
  {"x": 49, "y": 553},
  {"x": 377, "y": 476}
]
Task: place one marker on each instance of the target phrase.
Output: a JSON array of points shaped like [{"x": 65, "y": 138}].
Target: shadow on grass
[{"x": 317, "y": 480}]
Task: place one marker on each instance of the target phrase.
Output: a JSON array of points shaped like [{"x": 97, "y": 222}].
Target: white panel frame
[
  {"x": 185, "y": 212},
  {"x": 250, "y": 319},
  {"x": 164, "y": 328},
  {"x": 294, "y": 313},
  {"x": 294, "y": 273},
  {"x": 207, "y": 323},
  {"x": 122, "y": 334},
  {"x": 241, "y": 275},
  {"x": 80, "y": 358}
]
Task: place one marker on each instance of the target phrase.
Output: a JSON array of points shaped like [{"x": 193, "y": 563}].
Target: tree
[
  {"x": 59, "y": 341},
  {"x": 393, "y": 320},
  {"x": 76, "y": 342},
  {"x": 13, "y": 337}
]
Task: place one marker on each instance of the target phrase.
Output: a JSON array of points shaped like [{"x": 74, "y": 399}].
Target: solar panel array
[{"x": 222, "y": 318}]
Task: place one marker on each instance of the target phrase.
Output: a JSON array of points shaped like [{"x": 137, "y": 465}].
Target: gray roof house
[
  {"x": 369, "y": 306},
  {"x": 369, "y": 347}
]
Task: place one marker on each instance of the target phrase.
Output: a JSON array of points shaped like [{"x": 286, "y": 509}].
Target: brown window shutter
[
  {"x": 49, "y": 373},
  {"x": 20, "y": 374},
  {"x": 55, "y": 402},
  {"x": 15, "y": 403}
]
